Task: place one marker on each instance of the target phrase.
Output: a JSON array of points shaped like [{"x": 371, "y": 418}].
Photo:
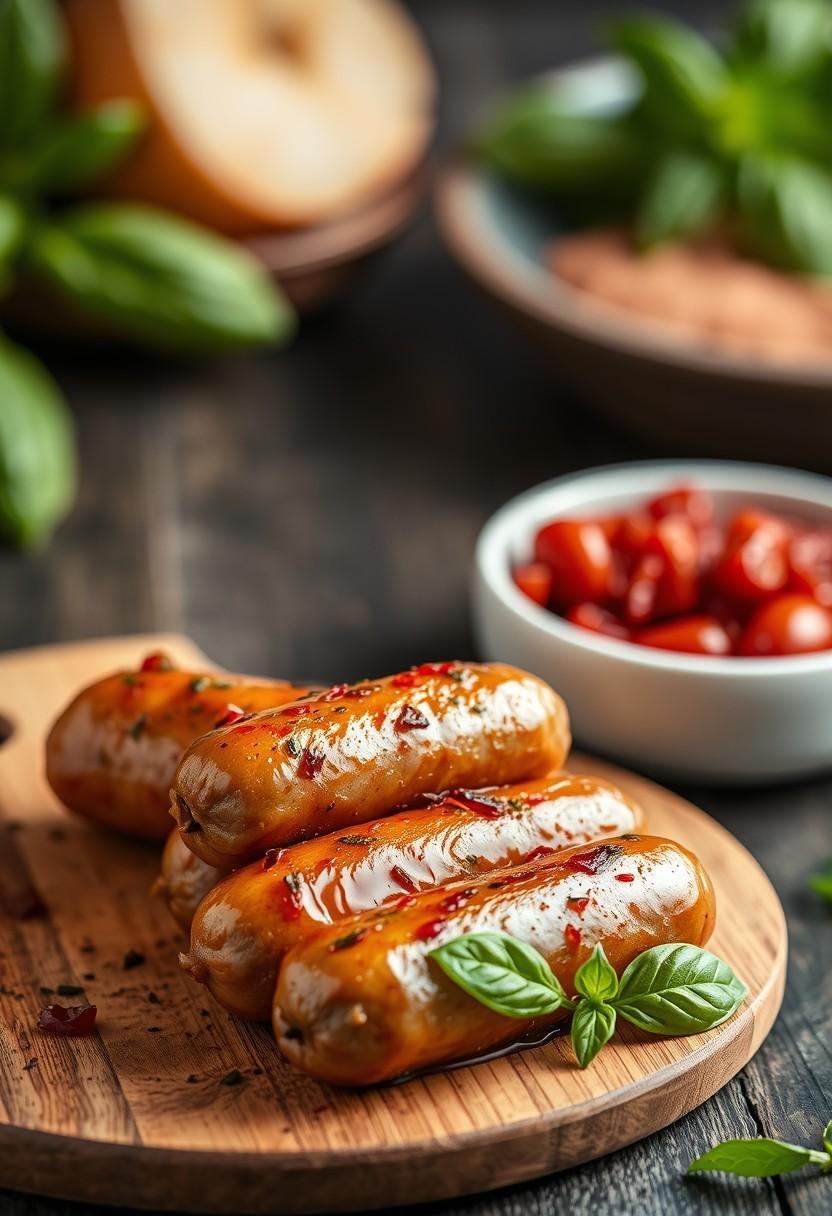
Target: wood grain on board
[{"x": 143, "y": 1112}]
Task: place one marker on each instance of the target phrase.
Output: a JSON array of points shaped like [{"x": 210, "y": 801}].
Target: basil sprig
[
  {"x": 674, "y": 989},
  {"x": 821, "y": 883},
  {"x": 736, "y": 132},
  {"x": 764, "y": 1158},
  {"x": 153, "y": 276}
]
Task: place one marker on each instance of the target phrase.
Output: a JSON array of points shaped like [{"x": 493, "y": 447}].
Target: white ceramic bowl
[{"x": 692, "y": 717}]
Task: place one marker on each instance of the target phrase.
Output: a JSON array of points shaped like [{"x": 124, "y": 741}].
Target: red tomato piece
[
  {"x": 692, "y": 634},
  {"x": 810, "y": 565},
  {"x": 535, "y": 580},
  {"x": 754, "y": 565},
  {"x": 686, "y": 500},
  {"x": 643, "y": 590},
  {"x": 632, "y": 534},
  {"x": 599, "y": 620},
  {"x": 675, "y": 542},
  {"x": 579, "y": 556},
  {"x": 789, "y": 624}
]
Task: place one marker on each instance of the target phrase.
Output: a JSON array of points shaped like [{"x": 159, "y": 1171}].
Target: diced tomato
[
  {"x": 642, "y": 594},
  {"x": 754, "y": 565},
  {"x": 535, "y": 580},
  {"x": 685, "y": 500},
  {"x": 675, "y": 542},
  {"x": 810, "y": 565},
  {"x": 691, "y": 634},
  {"x": 599, "y": 620},
  {"x": 789, "y": 624},
  {"x": 580, "y": 558},
  {"x": 632, "y": 534}
]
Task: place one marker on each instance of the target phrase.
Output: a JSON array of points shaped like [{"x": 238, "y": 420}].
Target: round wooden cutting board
[{"x": 147, "y": 1113}]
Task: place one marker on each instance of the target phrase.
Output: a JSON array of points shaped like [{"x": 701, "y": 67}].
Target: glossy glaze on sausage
[
  {"x": 356, "y": 752},
  {"x": 184, "y": 879},
  {"x": 361, "y": 1002},
  {"x": 112, "y": 754},
  {"x": 247, "y": 923}
]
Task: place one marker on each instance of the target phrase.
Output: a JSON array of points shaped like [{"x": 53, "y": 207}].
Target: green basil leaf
[
  {"x": 756, "y": 1158},
  {"x": 12, "y": 230},
  {"x": 678, "y": 989},
  {"x": 827, "y": 1139},
  {"x": 683, "y": 196},
  {"x": 593, "y": 1024},
  {"x": 685, "y": 78},
  {"x": 821, "y": 883},
  {"x": 502, "y": 973},
  {"x": 31, "y": 61},
  {"x": 596, "y": 978},
  {"x": 160, "y": 278},
  {"x": 790, "y": 36},
  {"x": 73, "y": 153},
  {"x": 537, "y": 141},
  {"x": 785, "y": 211},
  {"x": 37, "y": 452}
]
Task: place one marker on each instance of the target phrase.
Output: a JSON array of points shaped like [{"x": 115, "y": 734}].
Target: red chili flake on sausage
[
  {"x": 542, "y": 850},
  {"x": 233, "y": 713},
  {"x": 625, "y": 878},
  {"x": 291, "y": 896},
  {"x": 405, "y": 679},
  {"x": 572, "y": 937},
  {"x": 578, "y": 903},
  {"x": 593, "y": 860},
  {"x": 410, "y": 718},
  {"x": 296, "y": 711},
  {"x": 402, "y": 877},
  {"x": 333, "y": 693},
  {"x": 457, "y": 900},
  {"x": 245, "y": 729},
  {"x": 406, "y": 901},
  {"x": 436, "y": 669},
  {"x": 158, "y": 661},
  {"x": 76, "y": 1021},
  {"x": 535, "y": 799},
  {"x": 310, "y": 764},
  {"x": 430, "y": 929},
  {"x": 480, "y": 804},
  {"x": 363, "y": 690},
  {"x": 270, "y": 858},
  {"x": 323, "y": 864}
]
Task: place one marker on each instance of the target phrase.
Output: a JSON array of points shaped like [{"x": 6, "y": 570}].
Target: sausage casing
[
  {"x": 184, "y": 880},
  {"x": 354, "y": 753},
  {"x": 112, "y": 754},
  {"x": 361, "y": 1002},
  {"x": 247, "y": 923}
]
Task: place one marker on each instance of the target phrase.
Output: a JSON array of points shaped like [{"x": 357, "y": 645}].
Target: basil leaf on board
[
  {"x": 596, "y": 978},
  {"x": 678, "y": 989},
  {"x": 162, "y": 279},
  {"x": 827, "y": 1141},
  {"x": 12, "y": 230},
  {"x": 75, "y": 152},
  {"x": 761, "y": 1158},
  {"x": 683, "y": 196},
  {"x": 31, "y": 62},
  {"x": 37, "y": 451},
  {"x": 593, "y": 1024},
  {"x": 538, "y": 141},
  {"x": 685, "y": 78},
  {"x": 821, "y": 883},
  {"x": 790, "y": 36},
  {"x": 502, "y": 973},
  {"x": 785, "y": 212}
]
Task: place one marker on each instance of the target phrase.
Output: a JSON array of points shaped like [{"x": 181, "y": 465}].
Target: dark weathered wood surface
[{"x": 312, "y": 514}]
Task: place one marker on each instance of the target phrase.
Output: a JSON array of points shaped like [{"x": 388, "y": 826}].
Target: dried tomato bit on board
[{"x": 74, "y": 1021}]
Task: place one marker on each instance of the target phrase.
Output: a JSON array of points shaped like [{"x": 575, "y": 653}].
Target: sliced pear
[{"x": 264, "y": 113}]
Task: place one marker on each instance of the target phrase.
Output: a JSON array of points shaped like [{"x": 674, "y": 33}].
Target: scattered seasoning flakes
[
  {"x": 292, "y": 746},
  {"x": 233, "y": 713},
  {"x": 154, "y": 999},
  {"x": 349, "y": 939},
  {"x": 542, "y": 850},
  {"x": 154, "y": 1029},
  {"x": 355, "y": 839},
  {"x": 594, "y": 860},
  {"x": 129, "y": 679},
  {"x": 232, "y": 1078},
  {"x": 88, "y": 975},
  {"x": 46, "y": 991},
  {"x": 270, "y": 858},
  {"x": 132, "y": 959},
  {"x": 333, "y": 693},
  {"x": 30, "y": 1064},
  {"x": 403, "y": 879},
  {"x": 69, "y": 990},
  {"x": 192, "y": 1078},
  {"x": 310, "y": 765},
  {"x": 138, "y": 727},
  {"x": 410, "y": 718},
  {"x": 430, "y": 929},
  {"x": 578, "y": 903},
  {"x": 625, "y": 878},
  {"x": 199, "y": 684}
]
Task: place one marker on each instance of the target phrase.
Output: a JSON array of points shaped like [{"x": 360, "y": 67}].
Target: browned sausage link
[
  {"x": 184, "y": 880},
  {"x": 246, "y": 925},
  {"x": 112, "y": 753},
  {"x": 358, "y": 752},
  {"x": 361, "y": 1002}
]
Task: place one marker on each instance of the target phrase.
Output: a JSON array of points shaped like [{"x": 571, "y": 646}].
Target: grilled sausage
[
  {"x": 357, "y": 752},
  {"x": 112, "y": 753},
  {"x": 246, "y": 925},
  {"x": 361, "y": 1002},
  {"x": 185, "y": 879}
]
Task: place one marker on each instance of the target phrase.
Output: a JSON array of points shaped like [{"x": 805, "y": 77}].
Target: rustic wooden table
[{"x": 312, "y": 514}]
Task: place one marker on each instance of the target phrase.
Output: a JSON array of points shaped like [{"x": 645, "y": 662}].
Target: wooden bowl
[{"x": 688, "y": 396}]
